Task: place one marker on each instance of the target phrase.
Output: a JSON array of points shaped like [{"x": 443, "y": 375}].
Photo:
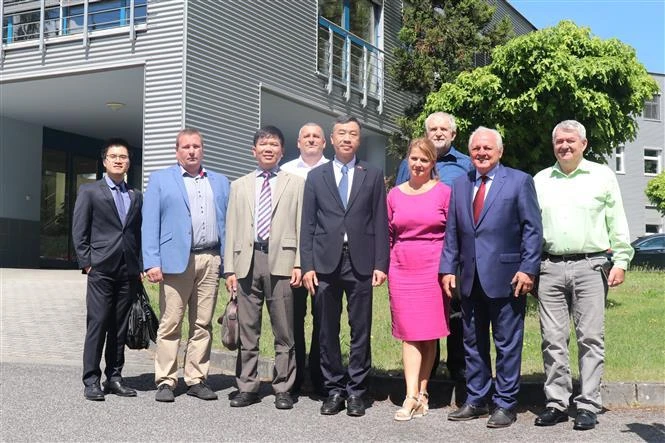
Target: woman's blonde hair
[{"x": 425, "y": 146}]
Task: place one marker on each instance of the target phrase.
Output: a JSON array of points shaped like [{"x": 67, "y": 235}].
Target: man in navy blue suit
[
  {"x": 494, "y": 235},
  {"x": 344, "y": 248}
]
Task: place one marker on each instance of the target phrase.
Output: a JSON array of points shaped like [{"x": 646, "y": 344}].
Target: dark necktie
[
  {"x": 265, "y": 208},
  {"x": 343, "y": 186},
  {"x": 479, "y": 199},
  {"x": 120, "y": 202}
]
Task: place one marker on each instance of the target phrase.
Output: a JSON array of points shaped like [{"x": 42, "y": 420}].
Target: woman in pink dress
[{"x": 417, "y": 212}]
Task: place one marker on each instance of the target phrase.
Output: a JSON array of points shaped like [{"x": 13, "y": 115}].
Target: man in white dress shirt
[{"x": 311, "y": 143}]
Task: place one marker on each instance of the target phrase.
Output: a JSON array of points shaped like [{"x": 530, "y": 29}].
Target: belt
[
  {"x": 205, "y": 248},
  {"x": 572, "y": 257},
  {"x": 263, "y": 247}
]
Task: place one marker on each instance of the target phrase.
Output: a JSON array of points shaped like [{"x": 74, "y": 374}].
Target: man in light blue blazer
[
  {"x": 183, "y": 241},
  {"x": 494, "y": 236}
]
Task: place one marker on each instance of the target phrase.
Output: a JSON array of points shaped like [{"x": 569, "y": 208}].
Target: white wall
[{"x": 20, "y": 169}]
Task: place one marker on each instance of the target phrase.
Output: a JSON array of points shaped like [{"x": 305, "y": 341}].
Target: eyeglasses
[{"x": 114, "y": 157}]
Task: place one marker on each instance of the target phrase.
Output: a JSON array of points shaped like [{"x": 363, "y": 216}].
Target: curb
[{"x": 447, "y": 392}]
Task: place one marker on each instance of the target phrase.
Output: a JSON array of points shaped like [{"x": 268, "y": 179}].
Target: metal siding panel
[
  {"x": 229, "y": 70},
  {"x": 160, "y": 46}
]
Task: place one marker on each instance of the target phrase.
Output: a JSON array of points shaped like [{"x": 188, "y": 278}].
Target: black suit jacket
[
  {"x": 324, "y": 221},
  {"x": 99, "y": 237}
]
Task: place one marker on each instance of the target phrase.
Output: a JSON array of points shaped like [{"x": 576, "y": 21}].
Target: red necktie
[{"x": 479, "y": 199}]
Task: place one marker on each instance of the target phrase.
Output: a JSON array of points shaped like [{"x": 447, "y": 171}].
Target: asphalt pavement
[{"x": 41, "y": 394}]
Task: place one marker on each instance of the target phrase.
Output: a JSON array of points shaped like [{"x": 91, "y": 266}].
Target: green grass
[{"x": 634, "y": 332}]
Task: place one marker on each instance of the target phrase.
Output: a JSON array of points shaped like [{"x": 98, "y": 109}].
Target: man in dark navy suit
[
  {"x": 494, "y": 236},
  {"x": 106, "y": 232},
  {"x": 344, "y": 248}
]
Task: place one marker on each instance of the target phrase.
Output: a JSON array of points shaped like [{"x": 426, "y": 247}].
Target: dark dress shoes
[
  {"x": 244, "y": 399},
  {"x": 164, "y": 394},
  {"x": 334, "y": 404},
  {"x": 550, "y": 417},
  {"x": 202, "y": 391},
  {"x": 355, "y": 406},
  {"x": 585, "y": 420},
  {"x": 468, "y": 412},
  {"x": 501, "y": 418},
  {"x": 283, "y": 400},
  {"x": 93, "y": 392},
  {"x": 116, "y": 387}
]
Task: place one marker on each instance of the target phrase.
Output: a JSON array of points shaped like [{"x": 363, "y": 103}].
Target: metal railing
[
  {"x": 39, "y": 20},
  {"x": 351, "y": 62}
]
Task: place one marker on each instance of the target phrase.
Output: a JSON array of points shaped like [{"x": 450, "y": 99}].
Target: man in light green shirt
[{"x": 583, "y": 217}]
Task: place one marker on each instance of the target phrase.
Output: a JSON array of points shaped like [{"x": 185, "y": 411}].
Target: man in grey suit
[
  {"x": 106, "y": 232},
  {"x": 262, "y": 262}
]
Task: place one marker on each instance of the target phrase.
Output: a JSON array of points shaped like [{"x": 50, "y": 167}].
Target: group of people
[{"x": 460, "y": 239}]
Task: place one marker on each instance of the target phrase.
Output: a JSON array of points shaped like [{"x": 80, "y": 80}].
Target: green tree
[
  {"x": 438, "y": 40},
  {"x": 655, "y": 192},
  {"x": 539, "y": 79}
]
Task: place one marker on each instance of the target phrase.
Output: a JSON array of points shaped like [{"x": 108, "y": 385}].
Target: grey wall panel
[
  {"x": 521, "y": 25},
  {"x": 276, "y": 49},
  {"x": 159, "y": 49},
  {"x": 20, "y": 165}
]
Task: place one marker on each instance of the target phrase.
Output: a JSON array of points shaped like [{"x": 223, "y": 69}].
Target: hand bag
[
  {"x": 143, "y": 322},
  {"x": 229, "y": 322}
]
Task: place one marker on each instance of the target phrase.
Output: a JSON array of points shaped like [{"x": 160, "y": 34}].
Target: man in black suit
[
  {"x": 106, "y": 232},
  {"x": 344, "y": 248}
]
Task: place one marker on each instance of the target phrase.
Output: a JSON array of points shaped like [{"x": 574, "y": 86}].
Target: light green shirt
[{"x": 583, "y": 212}]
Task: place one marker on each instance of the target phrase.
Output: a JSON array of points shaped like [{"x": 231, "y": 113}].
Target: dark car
[{"x": 649, "y": 251}]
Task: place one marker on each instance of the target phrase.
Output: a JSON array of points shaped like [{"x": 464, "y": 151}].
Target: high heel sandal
[
  {"x": 408, "y": 409},
  {"x": 423, "y": 400}
]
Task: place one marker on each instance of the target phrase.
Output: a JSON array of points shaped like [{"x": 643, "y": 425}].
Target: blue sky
[{"x": 638, "y": 23}]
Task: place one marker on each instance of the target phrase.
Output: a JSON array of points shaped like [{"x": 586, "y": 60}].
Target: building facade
[
  {"x": 639, "y": 161},
  {"x": 75, "y": 72}
]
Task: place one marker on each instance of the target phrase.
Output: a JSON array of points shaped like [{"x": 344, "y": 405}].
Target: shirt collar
[
  {"x": 582, "y": 168},
  {"x": 184, "y": 173},
  {"x": 111, "y": 184},
  {"x": 490, "y": 174},
  {"x": 273, "y": 171},
  {"x": 452, "y": 155},
  {"x": 301, "y": 163},
  {"x": 349, "y": 165}
]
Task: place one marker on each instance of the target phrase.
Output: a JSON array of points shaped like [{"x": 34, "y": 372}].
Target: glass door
[{"x": 62, "y": 175}]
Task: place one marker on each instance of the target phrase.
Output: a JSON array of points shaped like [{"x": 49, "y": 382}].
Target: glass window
[
  {"x": 650, "y": 229},
  {"x": 619, "y": 159},
  {"x": 652, "y": 108},
  {"x": 652, "y": 161}
]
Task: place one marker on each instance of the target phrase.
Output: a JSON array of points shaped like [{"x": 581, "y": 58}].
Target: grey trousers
[
  {"x": 576, "y": 289},
  {"x": 258, "y": 286}
]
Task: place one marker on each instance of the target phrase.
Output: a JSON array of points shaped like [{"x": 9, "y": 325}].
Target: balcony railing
[
  {"x": 36, "y": 21},
  {"x": 348, "y": 60}
]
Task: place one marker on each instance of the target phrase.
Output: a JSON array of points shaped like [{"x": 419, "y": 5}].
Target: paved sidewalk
[{"x": 41, "y": 395}]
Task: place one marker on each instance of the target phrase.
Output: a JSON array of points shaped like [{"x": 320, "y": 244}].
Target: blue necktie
[
  {"x": 343, "y": 187},
  {"x": 120, "y": 202}
]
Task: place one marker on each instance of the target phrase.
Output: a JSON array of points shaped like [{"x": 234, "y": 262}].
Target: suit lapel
[
  {"x": 180, "y": 182},
  {"x": 282, "y": 180},
  {"x": 497, "y": 183},
  {"x": 466, "y": 193},
  {"x": 250, "y": 190},
  {"x": 107, "y": 196},
  {"x": 359, "y": 174},
  {"x": 329, "y": 180}
]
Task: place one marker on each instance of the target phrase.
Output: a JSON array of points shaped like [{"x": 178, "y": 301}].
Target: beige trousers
[{"x": 195, "y": 289}]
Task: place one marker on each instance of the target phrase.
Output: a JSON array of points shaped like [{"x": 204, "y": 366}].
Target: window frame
[
  {"x": 620, "y": 158},
  {"x": 654, "y": 105},
  {"x": 657, "y": 158}
]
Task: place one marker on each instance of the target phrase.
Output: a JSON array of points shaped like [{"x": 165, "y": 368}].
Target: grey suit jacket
[{"x": 284, "y": 240}]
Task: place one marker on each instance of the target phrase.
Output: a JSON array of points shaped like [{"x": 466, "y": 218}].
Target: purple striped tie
[{"x": 265, "y": 209}]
